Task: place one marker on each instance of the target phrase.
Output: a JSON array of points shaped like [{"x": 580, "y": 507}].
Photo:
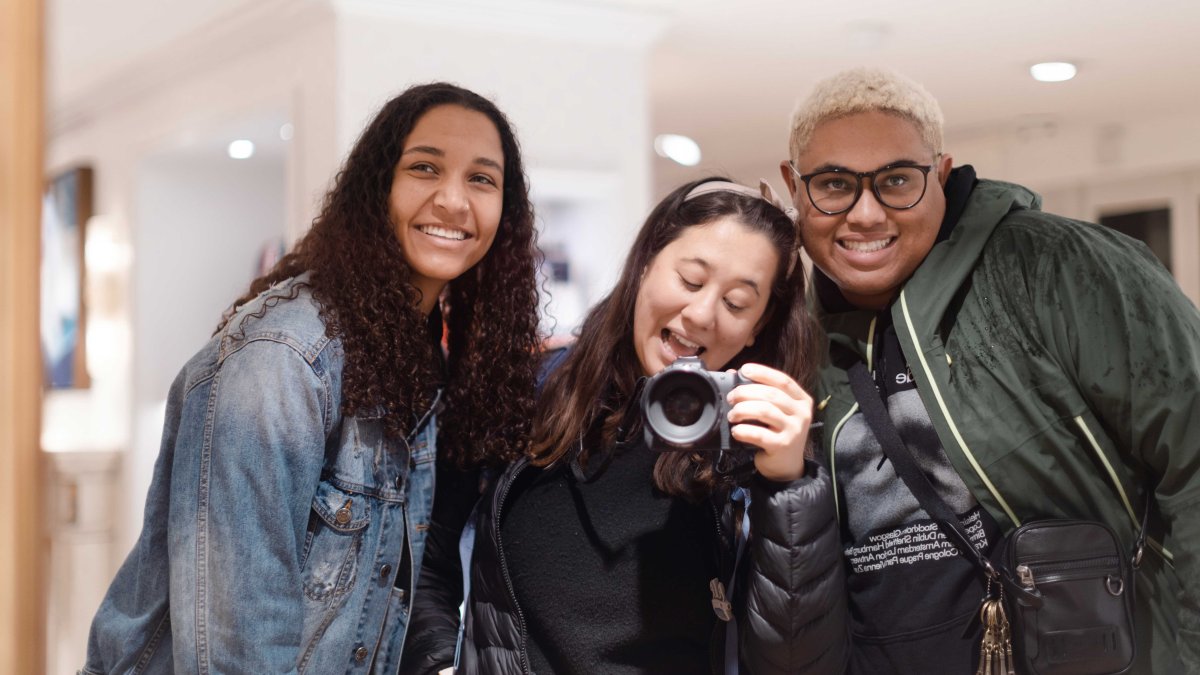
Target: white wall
[{"x": 201, "y": 224}]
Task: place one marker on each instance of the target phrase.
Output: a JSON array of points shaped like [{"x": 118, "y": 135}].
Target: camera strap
[{"x": 626, "y": 435}]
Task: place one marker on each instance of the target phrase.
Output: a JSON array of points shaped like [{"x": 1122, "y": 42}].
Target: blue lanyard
[{"x": 741, "y": 535}]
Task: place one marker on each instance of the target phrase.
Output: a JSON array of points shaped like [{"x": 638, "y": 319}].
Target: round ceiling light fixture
[
  {"x": 1053, "y": 71},
  {"x": 241, "y": 149},
  {"x": 678, "y": 149}
]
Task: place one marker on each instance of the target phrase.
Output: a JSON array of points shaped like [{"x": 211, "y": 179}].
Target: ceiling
[
  {"x": 729, "y": 73},
  {"x": 91, "y": 42}
]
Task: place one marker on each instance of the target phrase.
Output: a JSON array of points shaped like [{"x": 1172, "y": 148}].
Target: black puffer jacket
[{"x": 790, "y": 604}]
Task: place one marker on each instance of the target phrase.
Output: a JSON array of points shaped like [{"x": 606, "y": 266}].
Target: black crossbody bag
[{"x": 1060, "y": 592}]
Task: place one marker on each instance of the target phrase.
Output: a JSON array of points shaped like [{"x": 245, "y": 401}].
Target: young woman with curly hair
[
  {"x": 286, "y": 520},
  {"x": 596, "y": 553}
]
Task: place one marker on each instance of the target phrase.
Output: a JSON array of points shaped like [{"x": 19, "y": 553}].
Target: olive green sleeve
[{"x": 1131, "y": 337}]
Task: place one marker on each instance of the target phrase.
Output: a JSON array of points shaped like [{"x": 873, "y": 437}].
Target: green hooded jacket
[{"x": 1060, "y": 365}]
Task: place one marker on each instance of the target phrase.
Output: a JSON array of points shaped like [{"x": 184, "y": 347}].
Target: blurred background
[{"x": 187, "y": 144}]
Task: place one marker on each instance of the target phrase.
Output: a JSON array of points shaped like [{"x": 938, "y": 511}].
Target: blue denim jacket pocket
[
  {"x": 334, "y": 541},
  {"x": 424, "y": 450}
]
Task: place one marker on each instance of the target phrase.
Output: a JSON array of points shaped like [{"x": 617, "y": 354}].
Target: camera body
[{"x": 684, "y": 409}]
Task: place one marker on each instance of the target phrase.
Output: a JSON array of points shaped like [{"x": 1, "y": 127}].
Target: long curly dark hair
[
  {"x": 359, "y": 277},
  {"x": 586, "y": 399}
]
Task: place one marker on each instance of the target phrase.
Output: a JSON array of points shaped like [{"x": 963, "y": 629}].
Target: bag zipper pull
[{"x": 1026, "y": 576}]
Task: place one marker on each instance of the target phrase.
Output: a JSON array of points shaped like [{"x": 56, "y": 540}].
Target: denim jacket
[{"x": 274, "y": 526}]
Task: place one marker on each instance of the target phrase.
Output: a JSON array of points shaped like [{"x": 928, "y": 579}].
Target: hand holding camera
[
  {"x": 782, "y": 413},
  {"x": 757, "y": 415}
]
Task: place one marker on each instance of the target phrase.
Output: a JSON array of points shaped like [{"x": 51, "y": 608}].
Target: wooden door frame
[{"x": 22, "y": 541}]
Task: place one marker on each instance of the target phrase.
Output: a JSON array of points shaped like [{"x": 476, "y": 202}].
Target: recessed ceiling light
[
  {"x": 679, "y": 149},
  {"x": 241, "y": 149},
  {"x": 1053, "y": 71},
  {"x": 286, "y": 131}
]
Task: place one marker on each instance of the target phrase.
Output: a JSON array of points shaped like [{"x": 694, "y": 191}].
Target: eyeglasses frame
[{"x": 858, "y": 190}]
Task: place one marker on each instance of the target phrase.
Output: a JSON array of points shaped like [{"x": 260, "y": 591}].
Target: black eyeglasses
[{"x": 896, "y": 186}]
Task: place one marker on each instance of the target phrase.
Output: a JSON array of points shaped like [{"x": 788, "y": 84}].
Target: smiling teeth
[
  {"x": 868, "y": 246},
  {"x": 678, "y": 344},
  {"x": 442, "y": 232}
]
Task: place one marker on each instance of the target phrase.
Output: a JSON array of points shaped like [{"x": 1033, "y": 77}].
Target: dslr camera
[{"x": 684, "y": 409}]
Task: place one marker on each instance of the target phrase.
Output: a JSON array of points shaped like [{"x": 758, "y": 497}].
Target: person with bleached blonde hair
[{"x": 1030, "y": 367}]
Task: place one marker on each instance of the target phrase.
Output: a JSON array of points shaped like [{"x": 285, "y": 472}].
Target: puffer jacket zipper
[
  {"x": 725, "y": 570},
  {"x": 522, "y": 464},
  {"x": 717, "y": 519}
]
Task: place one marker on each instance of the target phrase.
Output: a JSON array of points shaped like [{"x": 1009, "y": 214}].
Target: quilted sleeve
[{"x": 794, "y": 616}]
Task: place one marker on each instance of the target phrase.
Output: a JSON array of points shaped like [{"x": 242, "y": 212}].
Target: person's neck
[
  {"x": 872, "y": 303},
  {"x": 429, "y": 296}
]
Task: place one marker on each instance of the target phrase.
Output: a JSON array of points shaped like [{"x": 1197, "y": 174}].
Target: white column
[{"x": 80, "y": 510}]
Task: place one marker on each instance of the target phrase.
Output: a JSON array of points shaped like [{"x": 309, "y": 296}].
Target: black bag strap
[{"x": 905, "y": 465}]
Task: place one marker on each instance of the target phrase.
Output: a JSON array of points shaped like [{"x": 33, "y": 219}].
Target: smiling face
[
  {"x": 704, "y": 294},
  {"x": 447, "y": 196},
  {"x": 870, "y": 250}
]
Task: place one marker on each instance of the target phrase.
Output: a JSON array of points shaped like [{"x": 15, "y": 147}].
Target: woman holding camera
[
  {"x": 286, "y": 519},
  {"x": 595, "y": 554}
]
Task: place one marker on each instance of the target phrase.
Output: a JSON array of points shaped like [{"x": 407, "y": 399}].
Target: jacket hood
[{"x": 950, "y": 262}]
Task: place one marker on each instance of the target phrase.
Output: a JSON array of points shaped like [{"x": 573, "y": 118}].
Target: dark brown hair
[
  {"x": 358, "y": 275},
  {"x": 587, "y": 396}
]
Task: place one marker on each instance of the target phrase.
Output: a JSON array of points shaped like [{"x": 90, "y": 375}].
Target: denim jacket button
[
  {"x": 360, "y": 654},
  {"x": 385, "y": 573},
  {"x": 342, "y": 515},
  {"x": 399, "y": 482}
]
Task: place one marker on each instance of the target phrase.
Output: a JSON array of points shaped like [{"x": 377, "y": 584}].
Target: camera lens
[{"x": 681, "y": 406}]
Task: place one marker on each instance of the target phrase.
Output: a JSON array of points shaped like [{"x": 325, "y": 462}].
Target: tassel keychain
[{"x": 995, "y": 653}]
